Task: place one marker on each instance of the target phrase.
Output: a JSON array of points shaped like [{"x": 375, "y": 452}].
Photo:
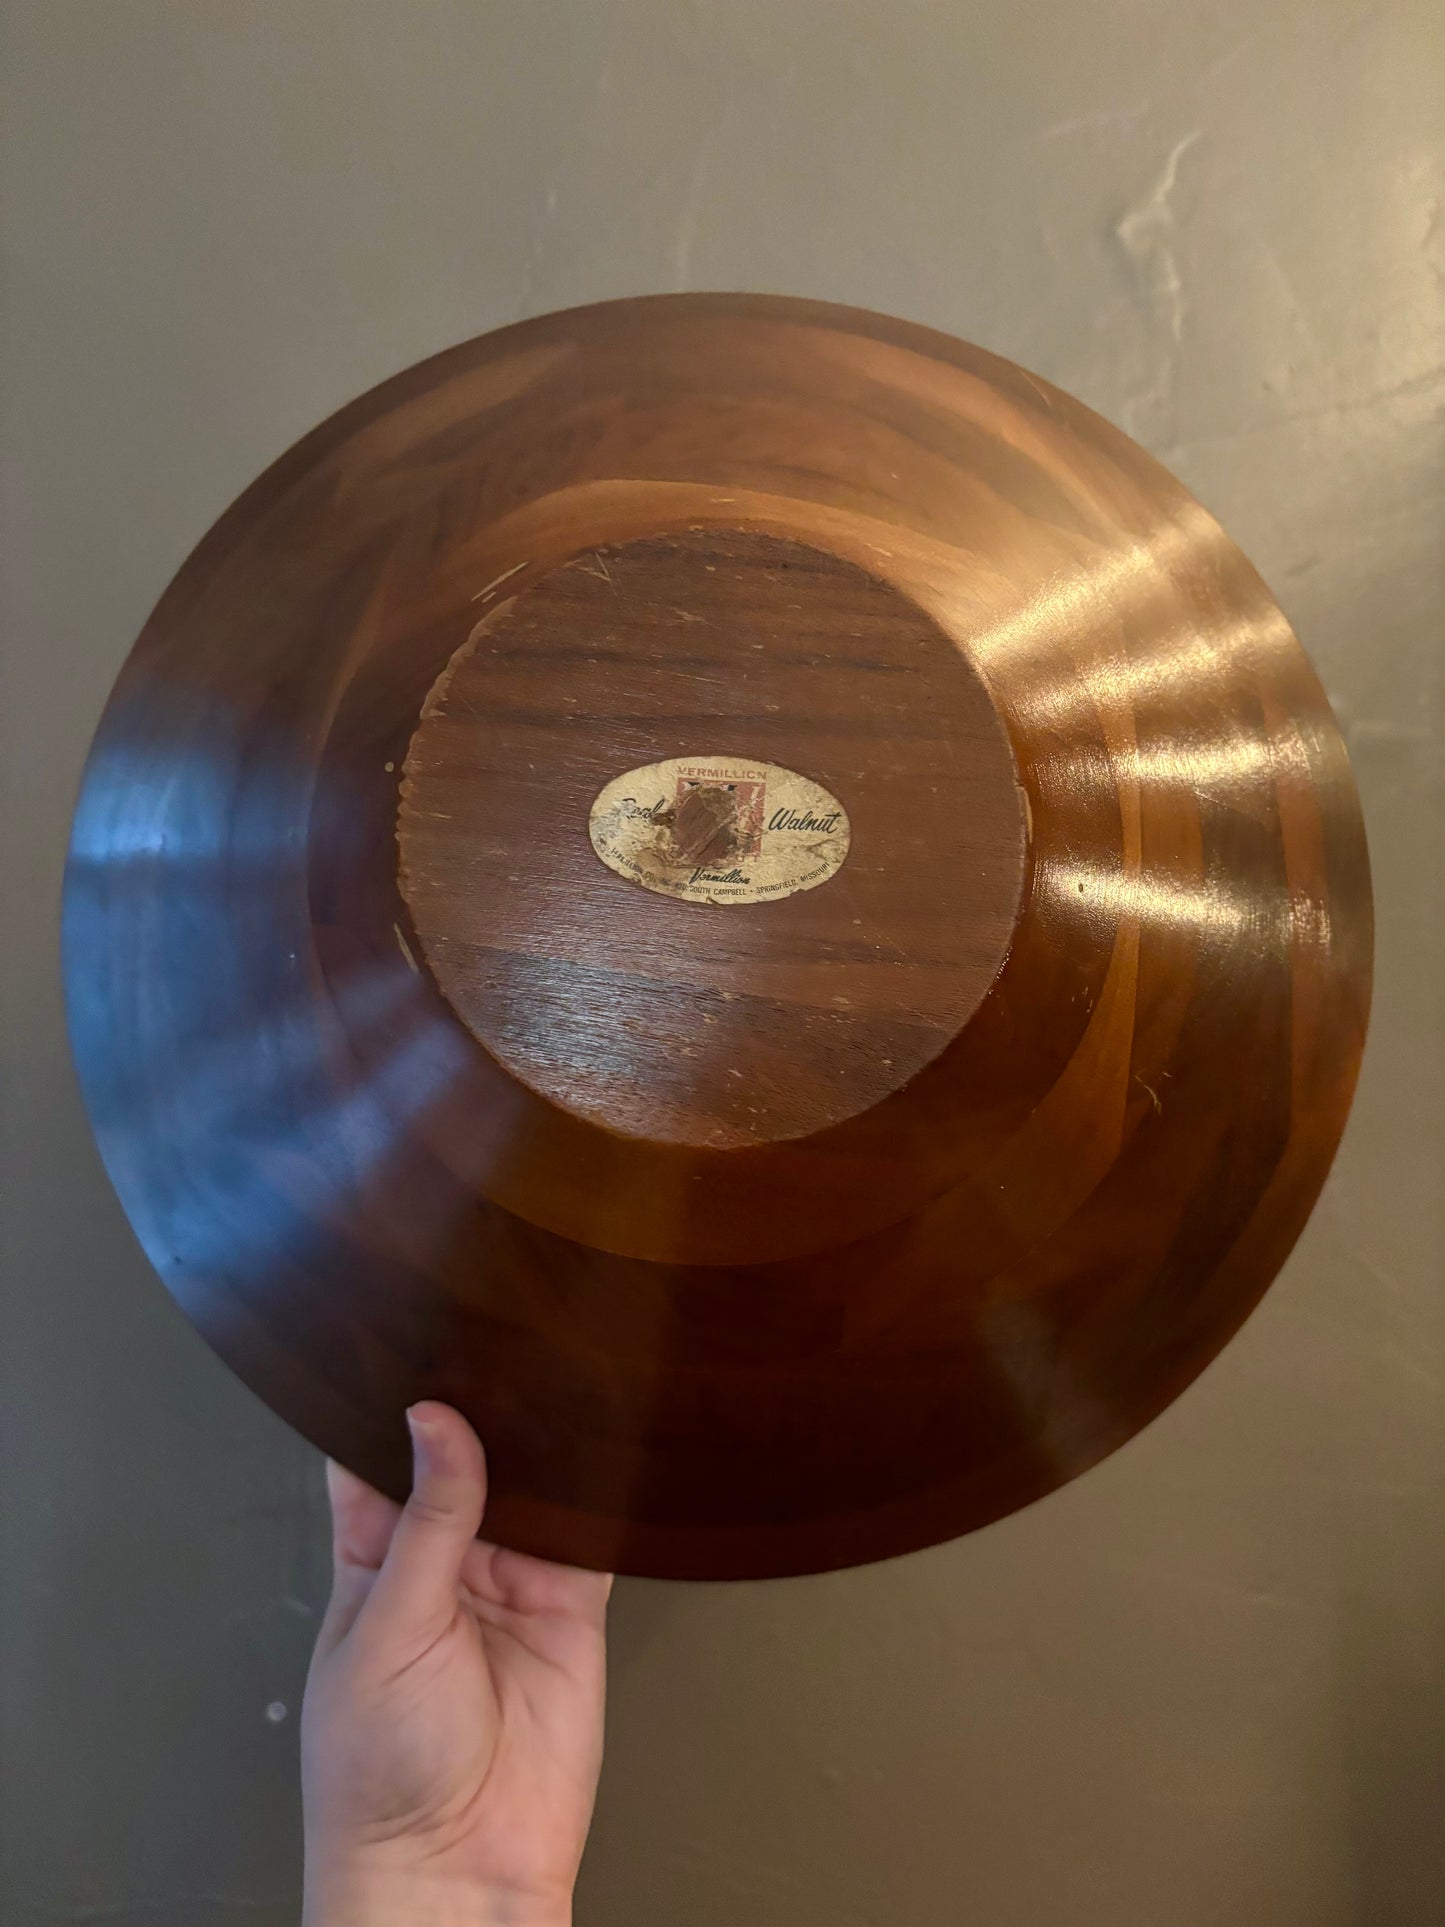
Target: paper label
[{"x": 719, "y": 829}]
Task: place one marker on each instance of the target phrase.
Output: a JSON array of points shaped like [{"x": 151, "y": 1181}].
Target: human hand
[{"x": 451, "y": 1735}]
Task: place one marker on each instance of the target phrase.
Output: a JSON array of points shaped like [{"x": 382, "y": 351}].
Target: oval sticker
[{"x": 719, "y": 829}]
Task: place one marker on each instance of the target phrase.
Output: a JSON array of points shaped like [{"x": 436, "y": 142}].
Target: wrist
[{"x": 390, "y": 1897}]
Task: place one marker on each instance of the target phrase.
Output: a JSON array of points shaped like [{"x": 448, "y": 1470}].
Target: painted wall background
[{"x": 1204, "y": 1685}]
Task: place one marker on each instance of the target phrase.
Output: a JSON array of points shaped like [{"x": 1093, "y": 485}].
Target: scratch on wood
[
  {"x": 406, "y": 952},
  {"x": 497, "y": 580}
]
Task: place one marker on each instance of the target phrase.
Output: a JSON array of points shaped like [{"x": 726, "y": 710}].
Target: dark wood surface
[
  {"x": 896, "y": 1298},
  {"x": 733, "y": 1024}
]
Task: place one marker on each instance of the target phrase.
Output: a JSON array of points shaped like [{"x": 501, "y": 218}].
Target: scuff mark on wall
[{"x": 1147, "y": 233}]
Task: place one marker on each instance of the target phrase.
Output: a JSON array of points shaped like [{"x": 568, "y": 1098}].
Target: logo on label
[{"x": 719, "y": 829}]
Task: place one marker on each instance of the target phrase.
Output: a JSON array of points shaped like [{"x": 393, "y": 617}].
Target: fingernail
[{"x": 421, "y": 1441}]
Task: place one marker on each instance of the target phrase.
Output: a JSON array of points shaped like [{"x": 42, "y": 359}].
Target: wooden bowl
[{"x": 744, "y": 891}]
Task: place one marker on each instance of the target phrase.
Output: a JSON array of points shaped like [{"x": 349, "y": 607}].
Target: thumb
[{"x": 415, "y": 1593}]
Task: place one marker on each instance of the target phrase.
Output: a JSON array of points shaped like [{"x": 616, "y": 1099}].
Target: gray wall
[{"x": 1204, "y": 1684}]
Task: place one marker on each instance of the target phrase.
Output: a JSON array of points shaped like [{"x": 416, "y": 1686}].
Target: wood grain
[
  {"x": 384, "y": 1142},
  {"x": 721, "y": 1025}
]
